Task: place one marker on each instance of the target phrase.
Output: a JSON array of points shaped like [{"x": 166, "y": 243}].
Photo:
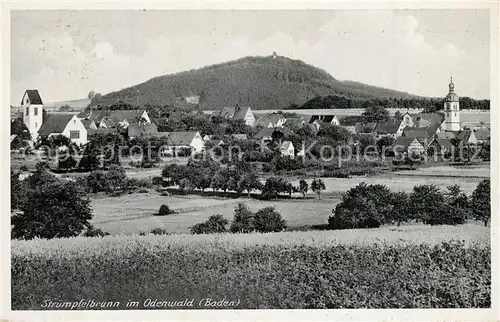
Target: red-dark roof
[
  {"x": 33, "y": 96},
  {"x": 55, "y": 124}
]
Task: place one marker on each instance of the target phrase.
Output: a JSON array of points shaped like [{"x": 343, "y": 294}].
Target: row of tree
[
  {"x": 370, "y": 206},
  {"x": 239, "y": 177},
  {"x": 428, "y": 104}
]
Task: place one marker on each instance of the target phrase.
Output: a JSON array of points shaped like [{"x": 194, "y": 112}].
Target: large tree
[
  {"x": 376, "y": 113},
  {"x": 481, "y": 202},
  {"x": 53, "y": 208}
]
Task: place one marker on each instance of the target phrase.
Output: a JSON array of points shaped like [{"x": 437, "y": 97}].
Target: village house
[
  {"x": 111, "y": 119},
  {"x": 482, "y": 136},
  {"x": 236, "y": 113},
  {"x": 271, "y": 120},
  {"x": 64, "y": 124},
  {"x": 269, "y": 134},
  {"x": 409, "y": 145},
  {"x": 440, "y": 146},
  {"x": 239, "y": 137},
  {"x": 180, "y": 140},
  {"x": 466, "y": 137},
  {"x": 287, "y": 149},
  {"x": 135, "y": 130}
]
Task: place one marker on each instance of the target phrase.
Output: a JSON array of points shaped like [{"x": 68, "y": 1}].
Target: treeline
[
  {"x": 428, "y": 104},
  {"x": 370, "y": 206}
]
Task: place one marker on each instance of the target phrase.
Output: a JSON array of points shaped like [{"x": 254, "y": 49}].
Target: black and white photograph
[{"x": 233, "y": 159}]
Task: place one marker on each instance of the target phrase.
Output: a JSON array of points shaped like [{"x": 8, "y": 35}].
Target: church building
[
  {"x": 32, "y": 107},
  {"x": 451, "y": 110}
]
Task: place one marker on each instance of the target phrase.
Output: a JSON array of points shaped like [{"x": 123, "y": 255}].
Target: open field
[
  {"x": 283, "y": 270},
  {"x": 134, "y": 213}
]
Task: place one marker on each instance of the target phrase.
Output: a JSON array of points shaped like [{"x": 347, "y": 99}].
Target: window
[
  {"x": 27, "y": 111},
  {"x": 74, "y": 135},
  {"x": 35, "y": 110}
]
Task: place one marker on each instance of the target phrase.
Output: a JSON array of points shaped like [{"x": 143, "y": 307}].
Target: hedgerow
[{"x": 400, "y": 275}]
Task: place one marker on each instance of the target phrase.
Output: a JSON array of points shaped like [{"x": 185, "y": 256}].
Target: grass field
[
  {"x": 135, "y": 213},
  {"x": 130, "y": 214},
  {"x": 373, "y": 268}
]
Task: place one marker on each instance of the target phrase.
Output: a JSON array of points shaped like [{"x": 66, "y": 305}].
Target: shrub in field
[
  {"x": 364, "y": 206},
  {"x": 429, "y": 205},
  {"x": 158, "y": 181},
  {"x": 285, "y": 276},
  {"x": 165, "y": 211},
  {"x": 94, "y": 232},
  {"x": 481, "y": 202},
  {"x": 243, "y": 219},
  {"x": 53, "y": 208},
  {"x": 214, "y": 224},
  {"x": 155, "y": 231},
  {"x": 274, "y": 186},
  {"x": 268, "y": 220}
]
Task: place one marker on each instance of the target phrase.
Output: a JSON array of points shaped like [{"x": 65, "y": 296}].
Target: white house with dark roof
[
  {"x": 32, "y": 107},
  {"x": 236, "y": 113},
  {"x": 287, "y": 149},
  {"x": 64, "y": 124}
]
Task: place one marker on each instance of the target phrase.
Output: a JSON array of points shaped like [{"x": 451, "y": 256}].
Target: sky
[{"x": 66, "y": 54}]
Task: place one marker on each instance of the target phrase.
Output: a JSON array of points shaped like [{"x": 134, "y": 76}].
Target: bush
[
  {"x": 268, "y": 220},
  {"x": 24, "y": 168},
  {"x": 263, "y": 276},
  {"x": 243, "y": 219},
  {"x": 95, "y": 232},
  {"x": 165, "y": 211},
  {"x": 158, "y": 181},
  {"x": 214, "y": 224},
  {"x": 364, "y": 206}
]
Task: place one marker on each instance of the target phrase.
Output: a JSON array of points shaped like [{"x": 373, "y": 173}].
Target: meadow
[
  {"x": 134, "y": 213},
  {"x": 281, "y": 270}
]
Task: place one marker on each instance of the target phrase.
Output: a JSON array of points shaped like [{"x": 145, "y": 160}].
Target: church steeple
[{"x": 451, "y": 86}]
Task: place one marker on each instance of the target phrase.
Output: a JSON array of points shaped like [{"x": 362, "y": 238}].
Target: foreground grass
[{"x": 286, "y": 274}]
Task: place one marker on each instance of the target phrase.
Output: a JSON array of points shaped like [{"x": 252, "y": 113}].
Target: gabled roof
[
  {"x": 482, "y": 134},
  {"x": 351, "y": 120},
  {"x": 136, "y": 129},
  {"x": 129, "y": 115},
  {"x": 99, "y": 130},
  {"x": 321, "y": 118},
  {"x": 415, "y": 132},
  {"x": 445, "y": 135},
  {"x": 427, "y": 119},
  {"x": 236, "y": 113},
  {"x": 443, "y": 143},
  {"x": 269, "y": 118},
  {"x": 239, "y": 136},
  {"x": 177, "y": 138},
  {"x": 55, "y": 123},
  {"x": 389, "y": 127},
  {"x": 404, "y": 141},
  {"x": 268, "y": 132},
  {"x": 464, "y": 135},
  {"x": 33, "y": 96},
  {"x": 240, "y": 113},
  {"x": 87, "y": 124}
]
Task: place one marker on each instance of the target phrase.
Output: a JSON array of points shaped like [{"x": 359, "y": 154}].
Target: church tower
[
  {"x": 32, "y": 107},
  {"x": 451, "y": 109}
]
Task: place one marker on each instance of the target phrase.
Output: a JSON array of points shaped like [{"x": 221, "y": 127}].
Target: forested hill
[{"x": 259, "y": 82}]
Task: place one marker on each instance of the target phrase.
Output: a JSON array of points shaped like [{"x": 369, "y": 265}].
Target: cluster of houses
[{"x": 416, "y": 133}]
